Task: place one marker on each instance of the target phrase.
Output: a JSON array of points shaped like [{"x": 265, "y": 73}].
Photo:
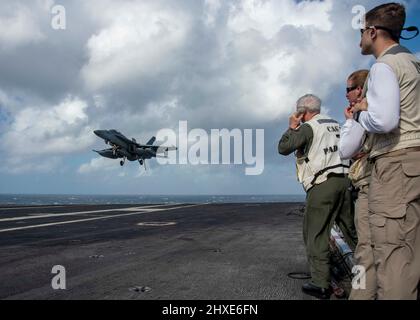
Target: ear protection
[{"x": 411, "y": 29}]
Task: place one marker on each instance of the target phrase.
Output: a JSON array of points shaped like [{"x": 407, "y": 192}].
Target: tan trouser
[
  {"x": 394, "y": 205},
  {"x": 364, "y": 251}
]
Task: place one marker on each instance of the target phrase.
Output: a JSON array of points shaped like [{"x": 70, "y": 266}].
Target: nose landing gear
[{"x": 143, "y": 162}]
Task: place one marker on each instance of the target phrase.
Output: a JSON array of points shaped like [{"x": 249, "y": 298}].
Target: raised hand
[
  {"x": 295, "y": 120},
  {"x": 348, "y": 112}
]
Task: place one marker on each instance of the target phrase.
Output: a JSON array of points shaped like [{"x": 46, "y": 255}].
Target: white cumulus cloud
[
  {"x": 18, "y": 26},
  {"x": 61, "y": 129},
  {"x": 139, "y": 39},
  {"x": 268, "y": 17},
  {"x": 140, "y": 66},
  {"x": 249, "y": 59}
]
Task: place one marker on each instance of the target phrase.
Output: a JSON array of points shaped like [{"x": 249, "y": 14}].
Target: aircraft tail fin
[{"x": 151, "y": 141}]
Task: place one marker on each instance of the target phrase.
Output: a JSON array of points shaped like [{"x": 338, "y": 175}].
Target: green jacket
[{"x": 296, "y": 140}]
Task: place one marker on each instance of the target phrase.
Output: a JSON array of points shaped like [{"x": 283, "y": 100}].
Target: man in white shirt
[
  {"x": 354, "y": 145},
  {"x": 391, "y": 115}
]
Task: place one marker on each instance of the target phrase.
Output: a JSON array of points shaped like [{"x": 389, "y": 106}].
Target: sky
[{"x": 143, "y": 66}]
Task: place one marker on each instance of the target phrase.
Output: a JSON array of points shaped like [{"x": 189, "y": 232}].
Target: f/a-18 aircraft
[{"x": 126, "y": 149}]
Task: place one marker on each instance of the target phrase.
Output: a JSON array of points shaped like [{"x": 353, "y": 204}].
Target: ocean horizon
[{"x": 68, "y": 199}]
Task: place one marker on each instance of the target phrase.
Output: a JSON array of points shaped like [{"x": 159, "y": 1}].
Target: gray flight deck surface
[{"x": 207, "y": 251}]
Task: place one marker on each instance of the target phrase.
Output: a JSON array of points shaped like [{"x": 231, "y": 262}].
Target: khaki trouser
[
  {"x": 394, "y": 205},
  {"x": 364, "y": 251},
  {"x": 327, "y": 202}
]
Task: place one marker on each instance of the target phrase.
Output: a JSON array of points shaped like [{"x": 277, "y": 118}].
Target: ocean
[{"x": 35, "y": 200}]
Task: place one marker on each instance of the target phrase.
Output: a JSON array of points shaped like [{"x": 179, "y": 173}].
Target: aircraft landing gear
[
  {"x": 122, "y": 162},
  {"x": 143, "y": 162},
  {"x": 114, "y": 150}
]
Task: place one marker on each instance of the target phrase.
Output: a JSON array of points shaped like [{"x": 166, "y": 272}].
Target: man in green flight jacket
[{"x": 314, "y": 139}]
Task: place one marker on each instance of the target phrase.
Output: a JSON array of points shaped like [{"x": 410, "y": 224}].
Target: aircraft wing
[
  {"x": 163, "y": 149},
  {"x": 146, "y": 146},
  {"x": 159, "y": 149}
]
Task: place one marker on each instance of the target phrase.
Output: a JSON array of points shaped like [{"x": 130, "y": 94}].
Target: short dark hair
[
  {"x": 358, "y": 78},
  {"x": 390, "y": 16}
]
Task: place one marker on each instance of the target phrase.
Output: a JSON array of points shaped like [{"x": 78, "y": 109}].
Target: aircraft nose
[{"x": 97, "y": 132}]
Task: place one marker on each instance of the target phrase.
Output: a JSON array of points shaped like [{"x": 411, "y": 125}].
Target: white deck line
[{"x": 97, "y": 218}]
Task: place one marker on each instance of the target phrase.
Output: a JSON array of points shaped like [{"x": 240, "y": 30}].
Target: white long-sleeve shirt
[
  {"x": 383, "y": 99},
  {"x": 351, "y": 139}
]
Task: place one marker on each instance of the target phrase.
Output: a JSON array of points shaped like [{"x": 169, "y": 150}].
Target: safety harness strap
[{"x": 320, "y": 173}]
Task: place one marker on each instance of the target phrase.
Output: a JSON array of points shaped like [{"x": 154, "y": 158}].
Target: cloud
[
  {"x": 140, "y": 66},
  {"x": 18, "y": 26},
  {"x": 248, "y": 60},
  {"x": 61, "y": 129},
  {"x": 19, "y": 166},
  {"x": 268, "y": 17},
  {"x": 140, "y": 39},
  {"x": 38, "y": 62},
  {"x": 98, "y": 165},
  {"x": 211, "y": 10}
]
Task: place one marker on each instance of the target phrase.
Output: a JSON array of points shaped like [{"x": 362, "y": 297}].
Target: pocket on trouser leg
[
  {"x": 411, "y": 185},
  {"x": 392, "y": 253},
  {"x": 377, "y": 224},
  {"x": 388, "y": 226},
  {"x": 387, "y": 183}
]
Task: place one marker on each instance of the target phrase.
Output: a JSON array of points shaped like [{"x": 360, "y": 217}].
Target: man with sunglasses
[
  {"x": 354, "y": 145},
  {"x": 391, "y": 114}
]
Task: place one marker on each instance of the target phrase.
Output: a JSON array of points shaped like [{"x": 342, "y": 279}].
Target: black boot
[{"x": 315, "y": 291}]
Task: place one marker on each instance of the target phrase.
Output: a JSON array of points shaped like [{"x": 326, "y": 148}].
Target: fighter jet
[{"x": 126, "y": 149}]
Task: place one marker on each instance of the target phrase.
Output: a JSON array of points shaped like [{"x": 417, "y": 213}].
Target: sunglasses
[
  {"x": 362, "y": 31},
  {"x": 392, "y": 33},
  {"x": 350, "y": 89}
]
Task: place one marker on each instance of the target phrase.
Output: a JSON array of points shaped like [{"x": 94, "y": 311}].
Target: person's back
[
  {"x": 322, "y": 158},
  {"x": 323, "y": 176}
]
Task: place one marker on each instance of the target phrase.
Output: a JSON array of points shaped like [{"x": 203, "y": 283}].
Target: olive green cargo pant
[
  {"x": 325, "y": 203},
  {"x": 394, "y": 206},
  {"x": 364, "y": 251}
]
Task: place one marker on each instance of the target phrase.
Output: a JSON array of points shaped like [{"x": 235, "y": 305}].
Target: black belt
[{"x": 338, "y": 175}]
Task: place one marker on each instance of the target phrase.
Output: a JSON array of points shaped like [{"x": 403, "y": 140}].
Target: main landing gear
[{"x": 143, "y": 162}]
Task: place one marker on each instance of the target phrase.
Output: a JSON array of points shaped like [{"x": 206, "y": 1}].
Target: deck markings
[
  {"x": 98, "y": 218},
  {"x": 53, "y": 215}
]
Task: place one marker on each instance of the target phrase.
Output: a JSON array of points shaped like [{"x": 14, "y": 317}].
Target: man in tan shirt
[{"x": 391, "y": 114}]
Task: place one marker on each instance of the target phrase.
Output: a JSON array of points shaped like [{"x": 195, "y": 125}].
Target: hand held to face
[
  {"x": 295, "y": 120},
  {"x": 361, "y": 106},
  {"x": 348, "y": 113}
]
